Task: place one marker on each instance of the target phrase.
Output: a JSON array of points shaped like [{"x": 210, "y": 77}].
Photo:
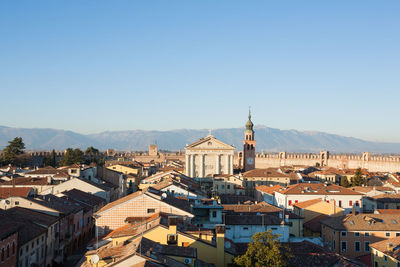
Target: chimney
[
  {"x": 172, "y": 222},
  {"x": 220, "y": 240}
]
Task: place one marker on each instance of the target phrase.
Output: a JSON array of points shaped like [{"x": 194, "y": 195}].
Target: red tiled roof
[
  {"x": 315, "y": 223},
  {"x": 270, "y": 172},
  {"x": 307, "y": 203},
  {"x": 317, "y": 189},
  {"x": 269, "y": 189},
  {"x": 120, "y": 201},
  {"x": 388, "y": 211},
  {"x": 6, "y": 192}
]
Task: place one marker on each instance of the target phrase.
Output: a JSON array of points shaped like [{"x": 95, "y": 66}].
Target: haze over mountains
[{"x": 268, "y": 140}]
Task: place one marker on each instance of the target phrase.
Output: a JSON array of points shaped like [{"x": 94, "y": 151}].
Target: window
[
  {"x": 334, "y": 244},
  {"x": 340, "y": 203},
  {"x": 385, "y": 257},
  {"x": 222, "y": 187},
  {"x": 356, "y": 233},
  {"x": 343, "y": 245},
  {"x": 357, "y": 203},
  {"x": 2, "y": 254},
  {"x": 290, "y": 203},
  {"x": 16, "y": 202},
  {"x": 366, "y": 234},
  {"x": 214, "y": 214},
  {"x": 245, "y": 228},
  {"x": 323, "y": 238},
  {"x": 350, "y": 203},
  {"x": 376, "y": 264},
  {"x": 172, "y": 239},
  {"x": 397, "y": 234},
  {"x": 366, "y": 246},
  {"x": 151, "y": 210},
  {"x": 387, "y": 234},
  {"x": 357, "y": 246},
  {"x": 228, "y": 186},
  {"x": 343, "y": 233}
]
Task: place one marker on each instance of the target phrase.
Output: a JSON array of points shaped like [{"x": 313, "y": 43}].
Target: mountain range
[{"x": 268, "y": 140}]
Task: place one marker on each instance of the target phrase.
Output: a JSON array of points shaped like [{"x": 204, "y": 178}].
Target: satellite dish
[
  {"x": 164, "y": 195},
  {"x": 7, "y": 201},
  {"x": 95, "y": 259}
]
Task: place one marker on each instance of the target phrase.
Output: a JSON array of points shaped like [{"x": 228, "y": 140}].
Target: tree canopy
[
  {"x": 13, "y": 150},
  {"x": 264, "y": 250},
  {"x": 72, "y": 156},
  {"x": 345, "y": 182},
  {"x": 358, "y": 179}
]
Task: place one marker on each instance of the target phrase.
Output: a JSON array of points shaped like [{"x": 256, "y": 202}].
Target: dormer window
[{"x": 172, "y": 239}]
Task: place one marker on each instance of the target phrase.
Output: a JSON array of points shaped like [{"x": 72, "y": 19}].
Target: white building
[
  {"x": 85, "y": 186},
  {"x": 340, "y": 196},
  {"x": 207, "y": 157},
  {"x": 240, "y": 228}
]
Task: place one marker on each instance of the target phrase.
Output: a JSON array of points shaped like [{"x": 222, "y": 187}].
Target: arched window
[
  {"x": 2, "y": 254},
  {"x": 251, "y": 147},
  {"x": 13, "y": 248},
  {"x": 248, "y": 146},
  {"x": 8, "y": 251}
]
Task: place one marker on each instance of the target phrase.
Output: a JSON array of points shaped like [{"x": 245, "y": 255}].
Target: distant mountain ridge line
[{"x": 267, "y": 139}]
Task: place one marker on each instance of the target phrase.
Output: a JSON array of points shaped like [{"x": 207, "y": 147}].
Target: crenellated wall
[{"x": 374, "y": 163}]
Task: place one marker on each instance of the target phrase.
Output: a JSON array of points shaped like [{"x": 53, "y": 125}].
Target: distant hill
[{"x": 268, "y": 139}]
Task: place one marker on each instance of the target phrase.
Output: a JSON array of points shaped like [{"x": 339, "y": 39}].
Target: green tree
[
  {"x": 358, "y": 179},
  {"x": 71, "y": 156},
  {"x": 13, "y": 150},
  {"x": 345, "y": 182},
  {"x": 91, "y": 151},
  {"x": 264, "y": 250},
  {"x": 50, "y": 160}
]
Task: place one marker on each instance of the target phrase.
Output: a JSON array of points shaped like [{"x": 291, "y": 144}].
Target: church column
[
  {"x": 192, "y": 166},
  {"x": 231, "y": 164},
  {"x": 217, "y": 166},
  {"x": 227, "y": 164},
  {"x": 201, "y": 170},
  {"x": 187, "y": 163}
]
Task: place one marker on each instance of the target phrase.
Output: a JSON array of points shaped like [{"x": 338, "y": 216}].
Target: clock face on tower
[{"x": 250, "y": 161}]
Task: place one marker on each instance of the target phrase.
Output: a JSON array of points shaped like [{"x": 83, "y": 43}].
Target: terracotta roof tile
[
  {"x": 317, "y": 189},
  {"x": 269, "y": 172},
  {"x": 6, "y": 192},
  {"x": 390, "y": 247},
  {"x": 120, "y": 201},
  {"x": 307, "y": 203},
  {"x": 363, "y": 222},
  {"x": 269, "y": 189}
]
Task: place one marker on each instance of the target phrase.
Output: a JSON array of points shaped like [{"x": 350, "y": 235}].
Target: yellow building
[
  {"x": 386, "y": 253},
  {"x": 125, "y": 169},
  {"x": 208, "y": 251},
  {"x": 313, "y": 208}
]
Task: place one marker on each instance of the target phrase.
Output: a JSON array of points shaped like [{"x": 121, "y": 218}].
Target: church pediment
[{"x": 210, "y": 143}]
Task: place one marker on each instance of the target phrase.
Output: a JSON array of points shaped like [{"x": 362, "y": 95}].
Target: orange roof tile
[
  {"x": 308, "y": 203},
  {"x": 269, "y": 189},
  {"x": 120, "y": 201},
  {"x": 317, "y": 189},
  {"x": 6, "y": 192}
]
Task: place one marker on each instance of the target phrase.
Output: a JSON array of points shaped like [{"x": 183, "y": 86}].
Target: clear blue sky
[{"x": 91, "y": 66}]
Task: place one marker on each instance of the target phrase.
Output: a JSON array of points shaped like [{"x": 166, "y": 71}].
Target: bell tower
[{"x": 249, "y": 146}]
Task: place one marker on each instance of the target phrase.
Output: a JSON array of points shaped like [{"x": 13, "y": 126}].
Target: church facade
[{"x": 207, "y": 157}]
